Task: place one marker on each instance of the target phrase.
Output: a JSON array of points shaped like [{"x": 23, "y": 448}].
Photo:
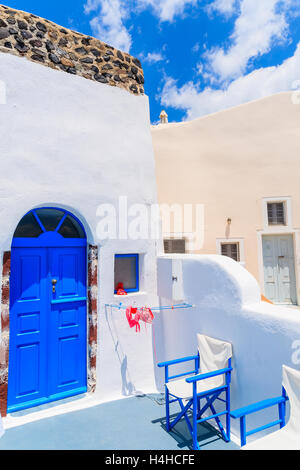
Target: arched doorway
[{"x": 48, "y": 317}]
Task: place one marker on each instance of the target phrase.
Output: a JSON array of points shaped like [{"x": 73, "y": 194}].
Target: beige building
[{"x": 243, "y": 165}]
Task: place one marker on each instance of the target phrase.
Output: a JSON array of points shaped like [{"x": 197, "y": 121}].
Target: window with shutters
[
  {"x": 232, "y": 250},
  {"x": 276, "y": 213},
  {"x": 174, "y": 245}
]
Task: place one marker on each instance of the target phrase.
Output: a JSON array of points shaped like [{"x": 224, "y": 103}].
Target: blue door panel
[
  {"x": 68, "y": 361},
  {"x": 48, "y": 329},
  {"x": 67, "y": 364},
  {"x": 28, "y": 322},
  {"x": 68, "y": 273},
  {"x": 29, "y": 277},
  {"x": 28, "y": 325},
  {"x": 28, "y": 383}
]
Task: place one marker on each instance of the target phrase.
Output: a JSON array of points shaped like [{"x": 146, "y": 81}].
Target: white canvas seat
[
  {"x": 214, "y": 355},
  {"x": 180, "y": 388},
  {"x": 287, "y": 438}
]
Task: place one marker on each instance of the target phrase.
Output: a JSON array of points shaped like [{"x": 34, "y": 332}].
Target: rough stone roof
[{"x": 44, "y": 42}]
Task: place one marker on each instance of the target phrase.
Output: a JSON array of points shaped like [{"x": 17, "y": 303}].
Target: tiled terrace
[{"x": 132, "y": 424}]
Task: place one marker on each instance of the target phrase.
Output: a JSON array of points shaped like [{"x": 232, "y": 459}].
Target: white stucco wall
[
  {"x": 73, "y": 143},
  {"x": 227, "y": 306}
]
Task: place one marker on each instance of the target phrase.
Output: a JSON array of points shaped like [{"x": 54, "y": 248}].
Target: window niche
[{"x": 126, "y": 273}]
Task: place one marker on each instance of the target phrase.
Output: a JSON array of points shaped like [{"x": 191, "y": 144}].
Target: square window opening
[
  {"x": 175, "y": 245},
  {"x": 126, "y": 273},
  {"x": 232, "y": 250},
  {"x": 276, "y": 213}
]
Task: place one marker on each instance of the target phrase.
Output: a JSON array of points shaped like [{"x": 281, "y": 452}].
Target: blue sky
[{"x": 198, "y": 56}]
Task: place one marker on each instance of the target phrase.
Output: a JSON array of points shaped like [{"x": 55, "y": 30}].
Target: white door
[{"x": 279, "y": 269}]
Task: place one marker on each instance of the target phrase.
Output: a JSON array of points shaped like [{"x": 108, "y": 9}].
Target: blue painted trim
[
  {"x": 46, "y": 241},
  {"x": 185, "y": 373},
  {"x": 137, "y": 274},
  {"x": 66, "y": 212},
  {"x": 69, "y": 300},
  {"x": 38, "y": 221},
  {"x": 50, "y": 239},
  {"x": 61, "y": 222},
  {"x": 246, "y": 410},
  {"x": 202, "y": 420},
  {"x": 208, "y": 375},
  {"x": 42, "y": 401},
  {"x": 262, "y": 428},
  {"x": 241, "y": 414},
  {"x": 177, "y": 361},
  {"x": 167, "y": 307}
]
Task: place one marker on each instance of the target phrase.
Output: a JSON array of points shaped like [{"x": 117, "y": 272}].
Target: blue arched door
[{"x": 47, "y": 351}]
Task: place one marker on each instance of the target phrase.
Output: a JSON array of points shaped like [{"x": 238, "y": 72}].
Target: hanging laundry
[
  {"x": 146, "y": 315},
  {"x": 133, "y": 317}
]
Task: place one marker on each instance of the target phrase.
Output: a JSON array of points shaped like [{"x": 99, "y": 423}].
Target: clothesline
[{"x": 164, "y": 307}]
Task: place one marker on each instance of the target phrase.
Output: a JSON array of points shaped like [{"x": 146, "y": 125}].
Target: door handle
[
  {"x": 54, "y": 282},
  {"x": 281, "y": 256}
]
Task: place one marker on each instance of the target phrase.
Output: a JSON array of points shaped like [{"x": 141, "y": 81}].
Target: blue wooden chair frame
[
  {"x": 241, "y": 414},
  {"x": 194, "y": 402}
]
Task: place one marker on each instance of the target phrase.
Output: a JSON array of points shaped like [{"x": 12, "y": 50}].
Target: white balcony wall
[{"x": 228, "y": 307}]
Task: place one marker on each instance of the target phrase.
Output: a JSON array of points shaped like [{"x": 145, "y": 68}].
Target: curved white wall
[{"x": 227, "y": 306}]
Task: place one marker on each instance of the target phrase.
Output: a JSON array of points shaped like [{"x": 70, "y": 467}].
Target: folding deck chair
[
  {"x": 288, "y": 436},
  {"x": 214, "y": 362}
]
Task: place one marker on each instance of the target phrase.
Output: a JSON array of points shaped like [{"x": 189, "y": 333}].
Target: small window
[
  {"x": 174, "y": 245},
  {"x": 50, "y": 218},
  {"x": 232, "y": 250},
  {"x": 276, "y": 213},
  {"x": 127, "y": 272},
  {"x": 39, "y": 221},
  {"x": 70, "y": 228},
  {"x": 28, "y": 227}
]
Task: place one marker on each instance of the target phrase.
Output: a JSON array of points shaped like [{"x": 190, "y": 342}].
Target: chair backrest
[
  {"x": 291, "y": 383},
  {"x": 214, "y": 355}
]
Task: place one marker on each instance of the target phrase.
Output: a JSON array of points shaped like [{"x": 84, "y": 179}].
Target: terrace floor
[{"x": 135, "y": 423}]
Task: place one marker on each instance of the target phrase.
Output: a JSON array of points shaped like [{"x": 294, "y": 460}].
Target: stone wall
[
  {"x": 92, "y": 315},
  {"x": 44, "y": 42}
]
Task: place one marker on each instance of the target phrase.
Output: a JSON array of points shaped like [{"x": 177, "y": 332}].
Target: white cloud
[
  {"x": 166, "y": 10},
  {"x": 108, "y": 24},
  {"x": 259, "y": 24},
  {"x": 257, "y": 84},
  {"x": 196, "y": 47},
  {"x": 152, "y": 57},
  {"x": 225, "y": 7}
]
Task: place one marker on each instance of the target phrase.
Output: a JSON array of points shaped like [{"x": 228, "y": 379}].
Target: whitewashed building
[
  {"x": 242, "y": 165},
  {"x": 74, "y": 136},
  {"x": 76, "y": 148}
]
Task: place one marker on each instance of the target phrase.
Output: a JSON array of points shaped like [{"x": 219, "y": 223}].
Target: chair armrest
[
  {"x": 261, "y": 405},
  {"x": 207, "y": 375},
  {"x": 177, "y": 361}
]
